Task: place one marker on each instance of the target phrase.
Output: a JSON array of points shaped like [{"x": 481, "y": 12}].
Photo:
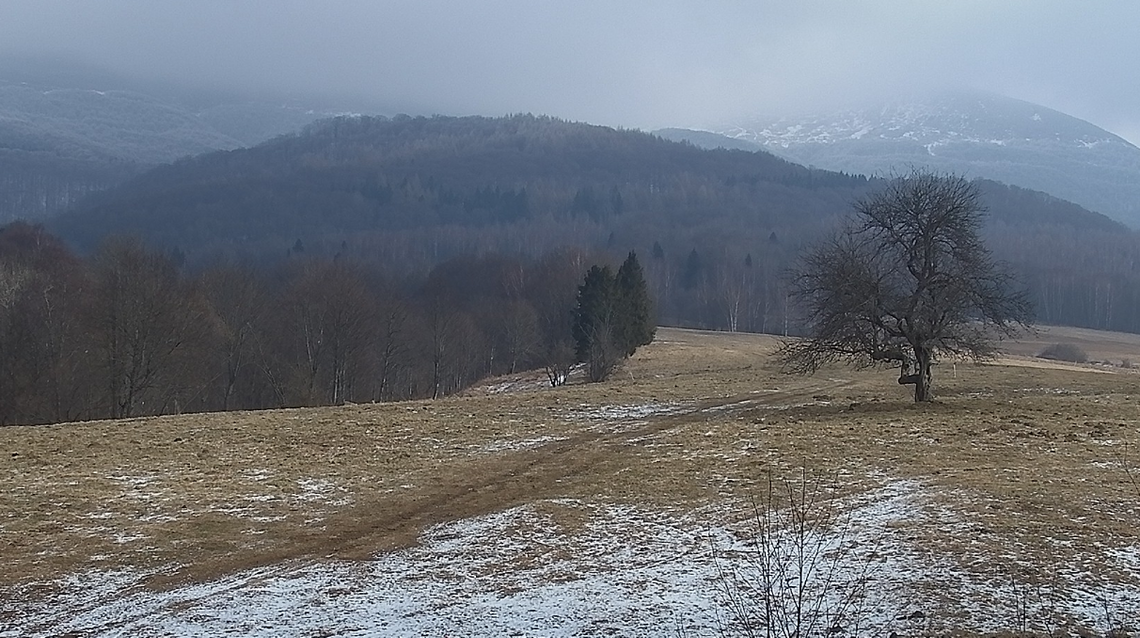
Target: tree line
[{"x": 128, "y": 332}]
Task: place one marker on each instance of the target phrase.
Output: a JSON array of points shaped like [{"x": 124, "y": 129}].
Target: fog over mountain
[
  {"x": 67, "y": 129},
  {"x": 635, "y": 64},
  {"x": 91, "y": 93}
]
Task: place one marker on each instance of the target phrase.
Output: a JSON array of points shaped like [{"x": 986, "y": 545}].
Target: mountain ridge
[
  {"x": 968, "y": 133},
  {"x": 420, "y": 171}
]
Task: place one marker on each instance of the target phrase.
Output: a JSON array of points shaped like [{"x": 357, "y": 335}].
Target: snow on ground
[
  {"x": 569, "y": 568},
  {"x": 517, "y": 385},
  {"x": 505, "y": 445},
  {"x": 621, "y": 417}
]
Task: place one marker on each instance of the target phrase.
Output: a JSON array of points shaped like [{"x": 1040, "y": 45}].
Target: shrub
[{"x": 804, "y": 572}]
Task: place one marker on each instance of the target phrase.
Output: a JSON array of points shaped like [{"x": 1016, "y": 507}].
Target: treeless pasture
[{"x": 1027, "y": 464}]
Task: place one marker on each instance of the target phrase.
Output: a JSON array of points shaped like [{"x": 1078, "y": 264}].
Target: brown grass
[{"x": 1021, "y": 454}]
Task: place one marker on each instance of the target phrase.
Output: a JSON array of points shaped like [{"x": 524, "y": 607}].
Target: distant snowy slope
[{"x": 974, "y": 134}]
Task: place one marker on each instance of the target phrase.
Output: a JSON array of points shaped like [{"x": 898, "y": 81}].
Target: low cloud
[{"x": 639, "y": 64}]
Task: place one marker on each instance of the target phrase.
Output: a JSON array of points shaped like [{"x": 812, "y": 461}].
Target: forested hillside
[
  {"x": 716, "y": 228},
  {"x": 472, "y": 178}
]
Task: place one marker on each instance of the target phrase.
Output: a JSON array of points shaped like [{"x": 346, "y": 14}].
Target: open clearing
[{"x": 605, "y": 509}]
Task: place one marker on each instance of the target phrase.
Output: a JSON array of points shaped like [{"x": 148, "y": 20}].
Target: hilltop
[{"x": 356, "y": 175}]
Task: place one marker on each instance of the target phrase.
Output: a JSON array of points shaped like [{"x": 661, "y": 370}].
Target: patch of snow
[
  {"x": 257, "y": 474},
  {"x": 620, "y": 570},
  {"x": 136, "y": 482},
  {"x": 1128, "y": 558},
  {"x": 158, "y": 518},
  {"x": 504, "y": 445},
  {"x": 625, "y": 412},
  {"x": 1056, "y": 391},
  {"x": 323, "y": 491},
  {"x": 517, "y": 385},
  {"x": 730, "y": 406}
]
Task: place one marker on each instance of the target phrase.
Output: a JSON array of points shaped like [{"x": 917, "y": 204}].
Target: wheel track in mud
[{"x": 479, "y": 486}]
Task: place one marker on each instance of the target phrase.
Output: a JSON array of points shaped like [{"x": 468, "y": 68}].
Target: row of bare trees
[{"x": 126, "y": 333}]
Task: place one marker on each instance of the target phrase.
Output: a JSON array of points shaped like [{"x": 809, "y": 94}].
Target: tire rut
[{"x": 473, "y": 487}]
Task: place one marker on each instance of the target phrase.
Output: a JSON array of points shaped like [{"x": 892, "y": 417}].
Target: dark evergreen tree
[
  {"x": 594, "y": 307},
  {"x": 613, "y": 316},
  {"x": 635, "y": 322},
  {"x": 595, "y": 334}
]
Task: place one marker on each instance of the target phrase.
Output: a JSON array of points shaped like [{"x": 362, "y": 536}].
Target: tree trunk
[
  {"x": 922, "y": 377},
  {"x": 917, "y": 373}
]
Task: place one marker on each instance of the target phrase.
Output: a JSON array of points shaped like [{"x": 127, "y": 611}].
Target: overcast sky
[{"x": 635, "y": 64}]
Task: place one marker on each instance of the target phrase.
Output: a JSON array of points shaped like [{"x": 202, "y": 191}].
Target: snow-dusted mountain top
[
  {"x": 968, "y": 117},
  {"x": 973, "y": 134}
]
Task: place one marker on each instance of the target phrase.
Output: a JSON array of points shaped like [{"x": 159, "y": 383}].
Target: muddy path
[{"x": 483, "y": 484}]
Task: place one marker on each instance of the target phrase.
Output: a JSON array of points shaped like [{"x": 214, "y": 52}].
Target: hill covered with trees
[
  {"x": 360, "y": 176},
  {"x": 716, "y": 228}
]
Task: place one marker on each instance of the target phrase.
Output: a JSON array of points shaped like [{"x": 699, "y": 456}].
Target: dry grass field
[{"x": 1007, "y": 505}]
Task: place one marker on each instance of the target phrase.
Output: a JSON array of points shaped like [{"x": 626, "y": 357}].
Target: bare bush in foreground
[{"x": 803, "y": 573}]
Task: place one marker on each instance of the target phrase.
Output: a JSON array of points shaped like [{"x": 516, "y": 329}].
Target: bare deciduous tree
[
  {"x": 906, "y": 281},
  {"x": 144, "y": 318},
  {"x": 392, "y": 349},
  {"x": 239, "y": 304},
  {"x": 330, "y": 326}
]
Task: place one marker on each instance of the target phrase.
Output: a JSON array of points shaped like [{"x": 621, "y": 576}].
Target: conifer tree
[
  {"x": 613, "y": 316},
  {"x": 636, "y": 326},
  {"x": 595, "y": 330}
]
